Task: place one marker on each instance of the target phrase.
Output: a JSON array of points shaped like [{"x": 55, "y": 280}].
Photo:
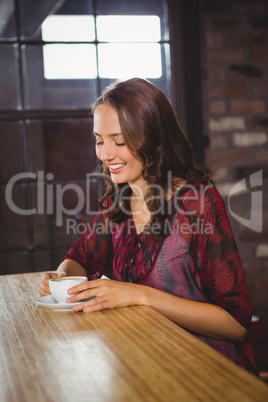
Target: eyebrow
[{"x": 109, "y": 135}]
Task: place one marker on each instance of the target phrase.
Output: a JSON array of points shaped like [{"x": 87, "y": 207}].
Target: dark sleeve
[
  {"x": 94, "y": 249},
  {"x": 221, "y": 272}
]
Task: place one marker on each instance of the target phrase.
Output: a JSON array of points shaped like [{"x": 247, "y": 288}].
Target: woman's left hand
[{"x": 107, "y": 294}]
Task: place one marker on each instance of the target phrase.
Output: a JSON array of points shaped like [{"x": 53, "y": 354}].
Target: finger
[
  {"x": 96, "y": 304},
  {"x": 81, "y": 306},
  {"x": 52, "y": 275},
  {"x": 46, "y": 276},
  {"x": 62, "y": 274},
  {"x": 42, "y": 289},
  {"x": 46, "y": 288},
  {"x": 49, "y": 275},
  {"x": 43, "y": 284},
  {"x": 43, "y": 293},
  {"x": 83, "y": 286},
  {"x": 102, "y": 304},
  {"x": 89, "y": 293}
]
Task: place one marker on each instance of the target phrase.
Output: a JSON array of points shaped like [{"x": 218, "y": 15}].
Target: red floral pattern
[{"x": 197, "y": 259}]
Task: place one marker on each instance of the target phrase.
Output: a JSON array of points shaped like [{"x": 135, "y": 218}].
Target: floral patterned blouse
[{"x": 196, "y": 259}]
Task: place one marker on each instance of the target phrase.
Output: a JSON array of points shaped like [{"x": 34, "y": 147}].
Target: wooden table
[{"x": 126, "y": 354}]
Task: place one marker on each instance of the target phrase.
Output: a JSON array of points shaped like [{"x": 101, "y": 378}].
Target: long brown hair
[{"x": 152, "y": 132}]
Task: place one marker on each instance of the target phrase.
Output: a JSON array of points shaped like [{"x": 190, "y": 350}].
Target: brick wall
[{"x": 235, "y": 114}]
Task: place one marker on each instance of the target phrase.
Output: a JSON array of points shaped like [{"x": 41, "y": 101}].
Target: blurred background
[{"x": 211, "y": 60}]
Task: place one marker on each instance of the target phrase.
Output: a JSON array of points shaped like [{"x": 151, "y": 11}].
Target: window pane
[
  {"x": 68, "y": 28},
  {"x": 11, "y": 149},
  {"x": 128, "y": 28},
  {"x": 163, "y": 82},
  {"x": 66, "y": 198},
  {"x": 66, "y": 214},
  {"x": 9, "y": 79},
  {"x": 49, "y": 260},
  {"x": 65, "y": 148},
  {"x": 69, "y": 61},
  {"x": 12, "y": 202},
  {"x": 137, "y": 7},
  {"x": 7, "y": 26},
  {"x": 53, "y": 94},
  {"x": 75, "y": 7},
  {"x": 33, "y": 13},
  {"x": 121, "y": 60},
  {"x": 14, "y": 263}
]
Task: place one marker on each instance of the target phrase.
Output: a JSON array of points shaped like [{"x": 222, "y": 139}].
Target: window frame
[
  {"x": 185, "y": 81},
  {"x": 185, "y": 28}
]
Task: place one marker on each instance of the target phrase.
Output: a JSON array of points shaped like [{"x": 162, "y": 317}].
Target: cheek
[
  {"x": 126, "y": 155},
  {"x": 139, "y": 166},
  {"x": 134, "y": 160},
  {"x": 98, "y": 152}
]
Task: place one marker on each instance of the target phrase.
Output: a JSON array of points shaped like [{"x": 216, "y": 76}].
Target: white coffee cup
[{"x": 59, "y": 286}]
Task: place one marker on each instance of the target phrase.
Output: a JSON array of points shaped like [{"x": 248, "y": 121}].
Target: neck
[{"x": 138, "y": 189}]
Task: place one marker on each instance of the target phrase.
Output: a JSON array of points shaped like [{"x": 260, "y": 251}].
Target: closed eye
[{"x": 120, "y": 145}]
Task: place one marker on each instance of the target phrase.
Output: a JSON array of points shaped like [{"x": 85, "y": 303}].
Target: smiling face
[{"x": 111, "y": 149}]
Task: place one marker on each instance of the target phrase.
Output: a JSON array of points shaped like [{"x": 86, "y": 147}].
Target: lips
[{"x": 116, "y": 167}]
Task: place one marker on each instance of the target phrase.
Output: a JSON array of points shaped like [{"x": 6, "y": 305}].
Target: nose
[{"x": 107, "y": 153}]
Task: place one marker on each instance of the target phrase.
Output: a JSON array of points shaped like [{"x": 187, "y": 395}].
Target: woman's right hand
[{"x": 43, "y": 284}]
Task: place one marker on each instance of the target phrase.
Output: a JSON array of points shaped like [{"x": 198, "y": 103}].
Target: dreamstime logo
[{"x": 255, "y": 221}]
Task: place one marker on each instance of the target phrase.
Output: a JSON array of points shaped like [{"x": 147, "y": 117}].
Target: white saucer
[{"x": 49, "y": 302}]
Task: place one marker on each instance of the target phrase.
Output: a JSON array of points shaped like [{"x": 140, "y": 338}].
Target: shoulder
[
  {"x": 195, "y": 196},
  {"x": 200, "y": 201}
]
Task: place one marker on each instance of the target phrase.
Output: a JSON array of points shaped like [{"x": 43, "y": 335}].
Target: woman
[{"x": 162, "y": 231}]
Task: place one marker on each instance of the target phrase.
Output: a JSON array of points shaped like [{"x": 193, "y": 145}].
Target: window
[
  {"x": 55, "y": 59},
  {"x": 127, "y": 46},
  {"x": 71, "y": 52},
  {"x": 56, "y": 56}
]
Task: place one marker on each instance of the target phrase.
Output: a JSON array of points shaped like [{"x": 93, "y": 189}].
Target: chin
[{"x": 117, "y": 180}]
